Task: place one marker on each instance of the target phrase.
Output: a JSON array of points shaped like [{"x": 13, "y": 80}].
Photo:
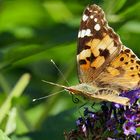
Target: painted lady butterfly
[{"x": 105, "y": 66}]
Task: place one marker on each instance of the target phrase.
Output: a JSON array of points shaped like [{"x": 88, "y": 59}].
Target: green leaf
[
  {"x": 131, "y": 12},
  {"x": 16, "y": 92},
  {"x": 17, "y": 53},
  {"x": 118, "y": 5},
  {"x": 15, "y": 13},
  {"x": 3, "y": 136},
  {"x": 11, "y": 123},
  {"x": 53, "y": 8},
  {"x": 113, "y": 6},
  {"x": 131, "y": 27}
]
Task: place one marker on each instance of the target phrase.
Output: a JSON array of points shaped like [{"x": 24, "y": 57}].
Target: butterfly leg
[
  {"x": 92, "y": 106},
  {"x": 75, "y": 99},
  {"x": 80, "y": 108}
]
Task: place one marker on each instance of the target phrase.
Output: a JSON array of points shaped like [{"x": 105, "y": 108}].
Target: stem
[{"x": 16, "y": 92}]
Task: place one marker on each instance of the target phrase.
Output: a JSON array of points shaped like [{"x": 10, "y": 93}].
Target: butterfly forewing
[
  {"x": 101, "y": 57},
  {"x": 97, "y": 44}
]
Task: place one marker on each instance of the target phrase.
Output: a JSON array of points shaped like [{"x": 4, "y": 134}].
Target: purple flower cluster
[{"x": 110, "y": 122}]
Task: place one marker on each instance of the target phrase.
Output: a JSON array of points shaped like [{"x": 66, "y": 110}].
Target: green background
[{"x": 32, "y": 32}]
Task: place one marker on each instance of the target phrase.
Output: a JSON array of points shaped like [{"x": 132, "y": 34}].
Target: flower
[
  {"x": 111, "y": 124},
  {"x": 110, "y": 138},
  {"x": 138, "y": 137},
  {"x": 84, "y": 129},
  {"x": 110, "y": 121},
  {"x": 129, "y": 115},
  {"x": 133, "y": 95},
  {"x": 129, "y": 128},
  {"x": 79, "y": 121}
]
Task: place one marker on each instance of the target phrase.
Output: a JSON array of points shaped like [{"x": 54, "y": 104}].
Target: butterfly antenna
[
  {"x": 54, "y": 84},
  {"x": 60, "y": 72},
  {"x": 36, "y": 99}
]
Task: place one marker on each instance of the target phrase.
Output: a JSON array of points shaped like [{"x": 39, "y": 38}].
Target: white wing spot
[
  {"x": 95, "y": 19},
  {"x": 97, "y": 27},
  {"x": 84, "y": 33},
  {"x": 88, "y": 32},
  {"x": 90, "y": 10},
  {"x": 91, "y": 16},
  {"x": 85, "y": 17},
  {"x": 95, "y": 11},
  {"x": 79, "y": 34}
]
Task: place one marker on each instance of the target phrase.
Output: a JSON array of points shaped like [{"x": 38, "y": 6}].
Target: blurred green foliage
[{"x": 32, "y": 32}]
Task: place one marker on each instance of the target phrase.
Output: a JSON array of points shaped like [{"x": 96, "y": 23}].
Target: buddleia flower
[{"x": 111, "y": 122}]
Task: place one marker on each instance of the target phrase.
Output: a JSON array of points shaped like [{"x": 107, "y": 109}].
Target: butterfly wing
[
  {"x": 100, "y": 54},
  {"x": 123, "y": 72},
  {"x": 98, "y": 45}
]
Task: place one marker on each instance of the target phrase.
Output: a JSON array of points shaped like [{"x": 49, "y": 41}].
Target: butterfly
[{"x": 105, "y": 66}]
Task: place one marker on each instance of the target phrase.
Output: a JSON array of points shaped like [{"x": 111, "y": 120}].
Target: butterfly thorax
[
  {"x": 88, "y": 89},
  {"x": 85, "y": 87}
]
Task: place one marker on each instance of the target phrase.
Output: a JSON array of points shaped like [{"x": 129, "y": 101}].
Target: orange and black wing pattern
[{"x": 101, "y": 57}]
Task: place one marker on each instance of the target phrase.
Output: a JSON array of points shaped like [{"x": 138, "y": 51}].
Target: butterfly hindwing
[{"x": 123, "y": 72}]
